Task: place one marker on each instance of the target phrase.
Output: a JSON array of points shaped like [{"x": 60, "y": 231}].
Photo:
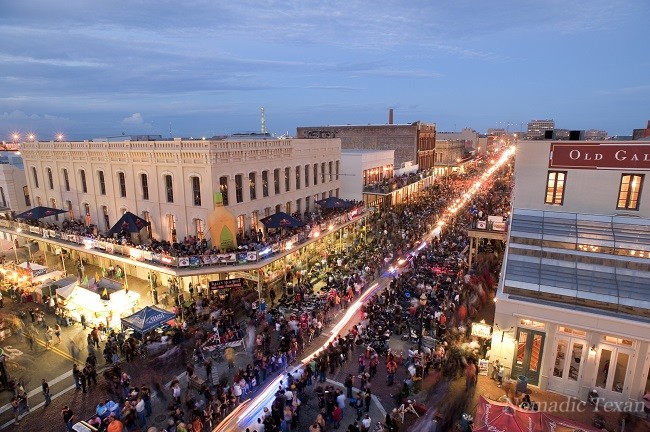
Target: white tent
[{"x": 66, "y": 290}]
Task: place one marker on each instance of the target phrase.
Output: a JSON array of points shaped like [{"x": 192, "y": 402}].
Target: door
[
  {"x": 569, "y": 356},
  {"x": 614, "y": 369},
  {"x": 528, "y": 355}
]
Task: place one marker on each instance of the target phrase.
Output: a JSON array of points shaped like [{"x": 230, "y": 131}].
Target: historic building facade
[
  {"x": 172, "y": 183},
  {"x": 573, "y": 304}
]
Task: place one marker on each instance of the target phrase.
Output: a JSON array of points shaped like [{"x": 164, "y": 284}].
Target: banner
[
  {"x": 251, "y": 256},
  {"x": 244, "y": 275},
  {"x": 231, "y": 284},
  {"x": 184, "y": 262},
  {"x": 195, "y": 261}
]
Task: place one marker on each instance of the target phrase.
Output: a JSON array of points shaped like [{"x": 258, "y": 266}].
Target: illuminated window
[
  {"x": 68, "y": 205},
  {"x": 223, "y": 187},
  {"x": 571, "y": 331},
  {"x": 629, "y": 192},
  {"x": 199, "y": 228},
  {"x": 531, "y": 324},
  {"x": 53, "y": 205},
  {"x": 618, "y": 341},
  {"x": 555, "y": 188}
]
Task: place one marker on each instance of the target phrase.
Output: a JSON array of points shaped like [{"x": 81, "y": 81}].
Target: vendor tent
[
  {"x": 65, "y": 287},
  {"x": 334, "y": 203},
  {"x": 39, "y": 212},
  {"x": 281, "y": 220},
  {"x": 493, "y": 415},
  {"x": 128, "y": 222},
  {"x": 147, "y": 319}
]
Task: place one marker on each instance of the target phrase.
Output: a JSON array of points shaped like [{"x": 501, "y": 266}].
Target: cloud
[{"x": 134, "y": 119}]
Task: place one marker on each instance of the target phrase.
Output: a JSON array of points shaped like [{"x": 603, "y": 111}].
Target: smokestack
[{"x": 390, "y": 116}]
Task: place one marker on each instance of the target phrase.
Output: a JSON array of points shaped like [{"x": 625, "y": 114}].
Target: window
[
  {"x": 255, "y": 223},
  {"x": 337, "y": 170},
  {"x": 84, "y": 185},
  {"x": 102, "y": 183},
  {"x": 107, "y": 222},
  {"x": 276, "y": 181},
  {"x": 196, "y": 190},
  {"x": 169, "y": 188},
  {"x": 50, "y": 180},
  {"x": 223, "y": 187},
  {"x": 66, "y": 180},
  {"x": 239, "y": 194},
  {"x": 267, "y": 211},
  {"x": 315, "y": 174},
  {"x": 144, "y": 182},
  {"x": 241, "y": 224},
  {"x": 265, "y": 183},
  {"x": 35, "y": 177},
  {"x": 171, "y": 223},
  {"x": 147, "y": 216},
  {"x": 322, "y": 172},
  {"x": 306, "y": 175},
  {"x": 298, "y": 203},
  {"x": 28, "y": 202},
  {"x": 121, "y": 178},
  {"x": 53, "y": 205},
  {"x": 68, "y": 205},
  {"x": 629, "y": 192},
  {"x": 298, "y": 177},
  {"x": 251, "y": 185},
  {"x": 87, "y": 214},
  {"x": 555, "y": 187},
  {"x": 329, "y": 168},
  {"x": 39, "y": 201},
  {"x": 307, "y": 202},
  {"x": 2, "y": 197},
  {"x": 287, "y": 179},
  {"x": 199, "y": 227},
  {"x": 287, "y": 208},
  {"x": 278, "y": 208}
]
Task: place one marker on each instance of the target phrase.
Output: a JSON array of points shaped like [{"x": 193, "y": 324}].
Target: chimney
[{"x": 390, "y": 116}]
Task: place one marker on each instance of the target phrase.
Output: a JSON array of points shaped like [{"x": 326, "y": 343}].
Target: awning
[
  {"x": 129, "y": 223},
  {"x": 147, "y": 319},
  {"x": 39, "y": 213},
  {"x": 281, "y": 220}
]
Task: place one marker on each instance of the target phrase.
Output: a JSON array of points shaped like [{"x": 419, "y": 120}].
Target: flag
[
  {"x": 85, "y": 281},
  {"x": 96, "y": 277},
  {"x": 105, "y": 295}
]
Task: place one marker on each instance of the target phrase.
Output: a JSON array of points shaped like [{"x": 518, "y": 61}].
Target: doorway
[
  {"x": 528, "y": 355},
  {"x": 569, "y": 357},
  {"x": 614, "y": 368}
]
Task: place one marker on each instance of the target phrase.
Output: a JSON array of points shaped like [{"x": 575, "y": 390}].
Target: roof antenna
[{"x": 263, "y": 121}]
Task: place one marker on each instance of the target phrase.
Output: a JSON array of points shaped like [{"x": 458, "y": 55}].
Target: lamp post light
[{"x": 423, "y": 304}]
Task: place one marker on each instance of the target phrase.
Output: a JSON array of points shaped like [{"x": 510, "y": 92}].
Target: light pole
[{"x": 423, "y": 304}]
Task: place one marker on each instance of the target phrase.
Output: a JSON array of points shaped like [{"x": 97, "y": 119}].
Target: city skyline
[{"x": 95, "y": 70}]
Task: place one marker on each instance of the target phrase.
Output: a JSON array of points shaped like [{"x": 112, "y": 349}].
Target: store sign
[
  {"x": 600, "y": 156},
  {"x": 229, "y": 284},
  {"x": 244, "y": 275},
  {"x": 481, "y": 330}
]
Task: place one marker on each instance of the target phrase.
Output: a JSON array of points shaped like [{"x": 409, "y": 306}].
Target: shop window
[
  {"x": 531, "y": 324},
  {"x": 618, "y": 341},
  {"x": 629, "y": 192},
  {"x": 571, "y": 331},
  {"x": 555, "y": 187}
]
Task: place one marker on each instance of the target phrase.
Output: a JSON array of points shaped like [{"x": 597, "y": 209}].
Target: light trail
[{"x": 249, "y": 411}]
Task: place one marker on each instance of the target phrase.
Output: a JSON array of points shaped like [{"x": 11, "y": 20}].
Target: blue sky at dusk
[{"x": 203, "y": 68}]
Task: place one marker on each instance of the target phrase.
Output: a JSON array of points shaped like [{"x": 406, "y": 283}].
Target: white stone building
[
  {"x": 573, "y": 303},
  {"x": 171, "y": 183},
  {"x": 361, "y": 168}
]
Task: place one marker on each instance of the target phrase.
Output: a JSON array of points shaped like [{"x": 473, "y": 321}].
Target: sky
[{"x": 193, "y": 68}]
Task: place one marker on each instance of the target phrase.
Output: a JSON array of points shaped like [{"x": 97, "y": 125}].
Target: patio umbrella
[
  {"x": 39, "y": 212},
  {"x": 334, "y": 203},
  {"x": 281, "y": 220},
  {"x": 129, "y": 223}
]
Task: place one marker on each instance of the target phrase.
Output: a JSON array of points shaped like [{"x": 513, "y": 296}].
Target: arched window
[
  {"x": 66, "y": 180},
  {"x": 144, "y": 182},
  {"x": 35, "y": 177},
  {"x": 169, "y": 188},
  {"x": 50, "y": 180},
  {"x": 121, "y": 179},
  {"x": 196, "y": 190},
  {"x": 28, "y": 202},
  {"x": 102, "y": 182},
  {"x": 84, "y": 185}
]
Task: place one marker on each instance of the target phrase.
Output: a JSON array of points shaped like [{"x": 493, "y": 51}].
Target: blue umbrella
[
  {"x": 129, "y": 223},
  {"x": 39, "y": 212},
  {"x": 281, "y": 220},
  {"x": 334, "y": 203}
]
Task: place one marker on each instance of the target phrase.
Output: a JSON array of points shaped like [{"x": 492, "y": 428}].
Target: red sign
[{"x": 614, "y": 155}]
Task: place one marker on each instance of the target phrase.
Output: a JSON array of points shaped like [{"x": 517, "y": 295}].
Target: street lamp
[{"x": 423, "y": 304}]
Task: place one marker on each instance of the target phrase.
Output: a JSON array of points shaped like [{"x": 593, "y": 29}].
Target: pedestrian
[
  {"x": 76, "y": 376},
  {"x": 57, "y": 332},
  {"x": 140, "y": 412},
  {"x": 48, "y": 337},
  {"x": 358, "y": 405},
  {"x": 365, "y": 423},
  {"x": 337, "y": 416},
  {"x": 146, "y": 397},
  {"x": 46, "y": 392},
  {"x": 67, "y": 415},
  {"x": 14, "y": 407},
  {"x": 368, "y": 398},
  {"x": 83, "y": 321},
  {"x": 83, "y": 379}
]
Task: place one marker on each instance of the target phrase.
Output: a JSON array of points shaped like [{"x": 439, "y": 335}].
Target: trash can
[{"x": 522, "y": 384}]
